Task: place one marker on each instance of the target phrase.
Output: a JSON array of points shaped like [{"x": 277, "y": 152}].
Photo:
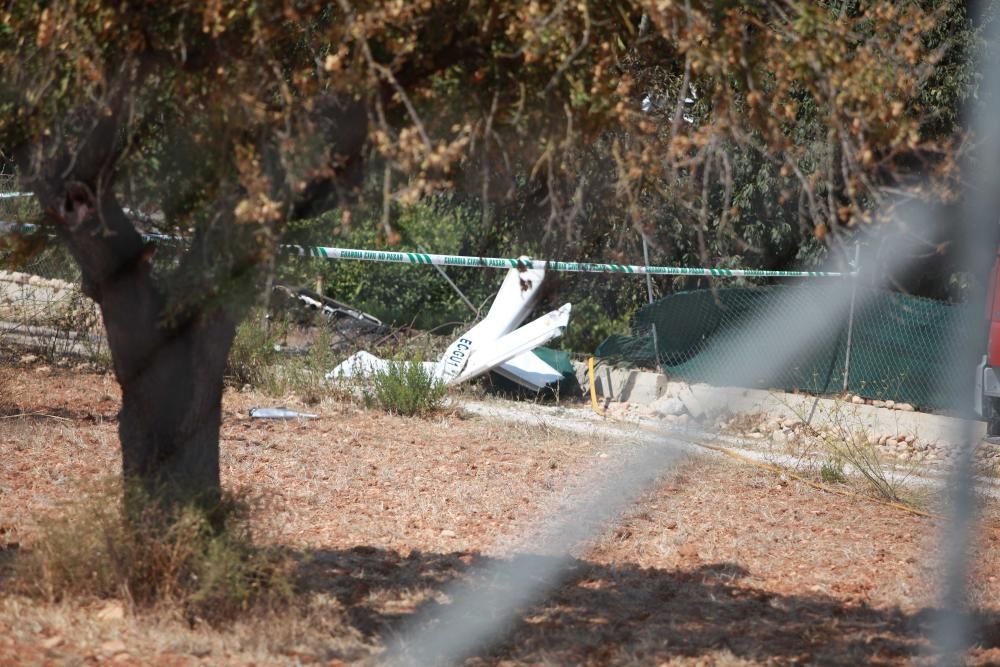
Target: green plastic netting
[{"x": 900, "y": 350}]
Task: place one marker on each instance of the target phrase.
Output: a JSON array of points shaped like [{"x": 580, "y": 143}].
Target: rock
[
  {"x": 618, "y": 407},
  {"x": 910, "y": 439},
  {"x": 691, "y": 402},
  {"x": 878, "y": 404},
  {"x": 688, "y": 550},
  {"x": 28, "y": 358},
  {"x": 872, "y": 440},
  {"x": 448, "y": 533},
  {"x": 113, "y": 611},
  {"x": 790, "y": 423},
  {"x": 668, "y": 406},
  {"x": 756, "y": 436},
  {"x": 891, "y": 443},
  {"x": 682, "y": 419},
  {"x": 903, "y": 456},
  {"x": 890, "y": 404},
  {"x": 882, "y": 440},
  {"x": 857, "y": 400},
  {"x": 779, "y": 437},
  {"x": 51, "y": 642},
  {"x": 114, "y": 646},
  {"x": 905, "y": 407}
]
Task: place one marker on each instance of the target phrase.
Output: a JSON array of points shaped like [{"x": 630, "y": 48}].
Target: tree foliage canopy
[
  {"x": 713, "y": 127},
  {"x": 699, "y": 112}
]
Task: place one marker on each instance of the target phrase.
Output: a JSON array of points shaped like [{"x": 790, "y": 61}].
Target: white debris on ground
[
  {"x": 365, "y": 364},
  {"x": 497, "y": 343}
]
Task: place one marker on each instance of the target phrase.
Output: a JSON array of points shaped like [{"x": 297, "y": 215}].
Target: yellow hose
[{"x": 593, "y": 390}]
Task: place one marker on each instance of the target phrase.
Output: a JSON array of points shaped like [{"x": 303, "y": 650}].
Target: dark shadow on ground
[{"x": 602, "y": 615}]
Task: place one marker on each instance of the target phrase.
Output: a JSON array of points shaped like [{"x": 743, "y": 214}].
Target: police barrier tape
[
  {"x": 528, "y": 263},
  {"x": 521, "y": 263}
]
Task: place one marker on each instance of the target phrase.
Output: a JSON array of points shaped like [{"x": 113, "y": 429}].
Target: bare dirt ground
[{"x": 719, "y": 564}]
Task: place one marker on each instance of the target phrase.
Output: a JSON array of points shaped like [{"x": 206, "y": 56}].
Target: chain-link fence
[
  {"x": 42, "y": 306},
  {"x": 892, "y": 346}
]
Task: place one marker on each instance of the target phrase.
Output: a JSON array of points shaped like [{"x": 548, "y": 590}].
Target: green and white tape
[
  {"x": 526, "y": 263},
  {"x": 428, "y": 259}
]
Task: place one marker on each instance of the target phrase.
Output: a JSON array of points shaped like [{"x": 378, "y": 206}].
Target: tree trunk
[
  {"x": 171, "y": 376},
  {"x": 172, "y": 407},
  {"x": 169, "y": 355}
]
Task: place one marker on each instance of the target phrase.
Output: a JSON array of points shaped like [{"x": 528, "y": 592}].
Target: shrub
[
  {"x": 397, "y": 294},
  {"x": 855, "y": 449},
  {"x": 73, "y": 328},
  {"x": 832, "y": 471},
  {"x": 405, "y": 388},
  {"x": 590, "y": 325},
  {"x": 253, "y": 355},
  {"x": 255, "y": 361},
  {"x": 304, "y": 375},
  {"x": 150, "y": 554}
]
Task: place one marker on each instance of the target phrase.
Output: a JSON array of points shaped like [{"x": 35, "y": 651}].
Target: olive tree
[{"x": 224, "y": 121}]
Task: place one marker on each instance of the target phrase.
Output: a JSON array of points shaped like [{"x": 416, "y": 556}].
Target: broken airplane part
[{"x": 497, "y": 343}]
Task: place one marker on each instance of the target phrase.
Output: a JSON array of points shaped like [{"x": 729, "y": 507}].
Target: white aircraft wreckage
[{"x": 498, "y": 343}]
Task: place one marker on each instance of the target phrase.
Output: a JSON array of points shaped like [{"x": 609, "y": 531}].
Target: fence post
[
  {"x": 645, "y": 257},
  {"x": 850, "y": 317},
  {"x": 656, "y": 350}
]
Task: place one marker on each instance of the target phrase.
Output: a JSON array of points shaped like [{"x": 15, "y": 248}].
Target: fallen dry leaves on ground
[{"x": 719, "y": 564}]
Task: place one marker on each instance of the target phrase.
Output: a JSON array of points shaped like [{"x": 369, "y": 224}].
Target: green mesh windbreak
[{"x": 901, "y": 346}]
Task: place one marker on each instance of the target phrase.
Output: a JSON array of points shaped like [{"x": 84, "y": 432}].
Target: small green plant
[
  {"x": 73, "y": 328},
  {"x": 864, "y": 457},
  {"x": 201, "y": 558},
  {"x": 844, "y": 440},
  {"x": 832, "y": 471},
  {"x": 304, "y": 375},
  {"x": 253, "y": 356},
  {"x": 405, "y": 388}
]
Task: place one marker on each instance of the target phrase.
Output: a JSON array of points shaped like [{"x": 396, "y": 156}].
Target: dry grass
[
  {"x": 720, "y": 564},
  {"x": 199, "y": 560}
]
